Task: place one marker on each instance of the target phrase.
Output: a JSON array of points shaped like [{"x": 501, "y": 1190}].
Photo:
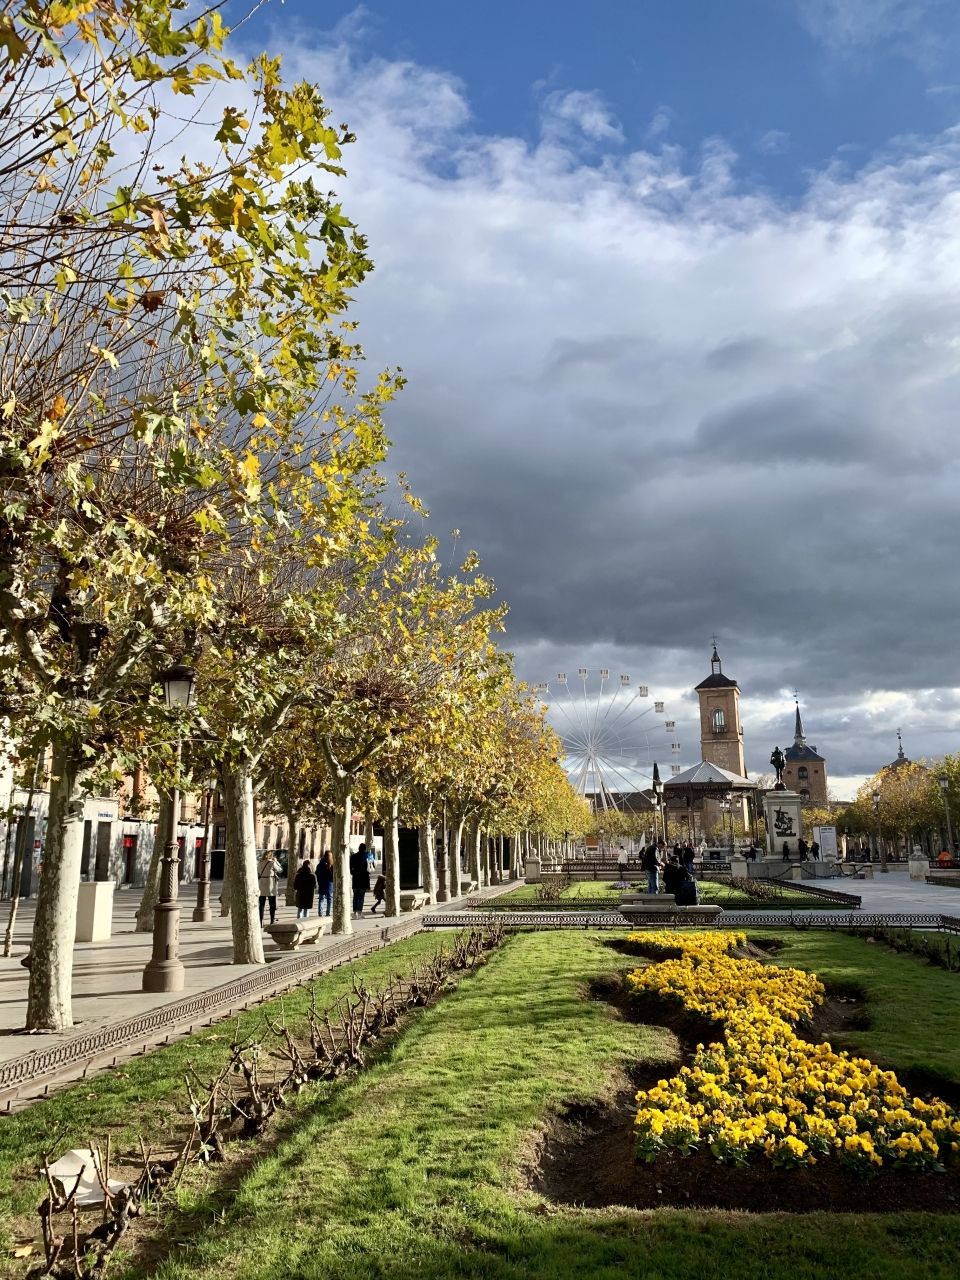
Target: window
[
  {"x": 804, "y": 794},
  {"x": 719, "y": 721},
  {"x": 802, "y": 772}
]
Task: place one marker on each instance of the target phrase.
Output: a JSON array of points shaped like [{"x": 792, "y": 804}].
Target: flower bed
[{"x": 760, "y": 1088}]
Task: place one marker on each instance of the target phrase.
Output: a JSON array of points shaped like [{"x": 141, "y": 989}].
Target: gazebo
[{"x": 705, "y": 781}]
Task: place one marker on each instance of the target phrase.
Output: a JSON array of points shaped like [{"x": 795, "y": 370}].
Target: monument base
[{"x": 781, "y": 810}]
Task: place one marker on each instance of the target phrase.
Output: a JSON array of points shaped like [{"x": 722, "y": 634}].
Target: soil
[
  {"x": 588, "y": 1158},
  {"x": 587, "y": 1155}
]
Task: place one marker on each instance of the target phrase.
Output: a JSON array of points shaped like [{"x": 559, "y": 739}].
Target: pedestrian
[
  {"x": 268, "y": 869},
  {"x": 651, "y": 864},
  {"x": 359, "y": 879},
  {"x": 379, "y": 893},
  {"x": 686, "y": 857},
  {"x": 674, "y": 874},
  {"x": 802, "y": 849},
  {"x": 325, "y": 884},
  {"x": 815, "y": 851},
  {"x": 304, "y": 886}
]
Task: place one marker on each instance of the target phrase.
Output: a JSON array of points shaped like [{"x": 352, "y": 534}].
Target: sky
[{"x": 675, "y": 288}]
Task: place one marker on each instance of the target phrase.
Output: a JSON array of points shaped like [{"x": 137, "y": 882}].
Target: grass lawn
[
  {"x": 413, "y": 1168},
  {"x": 913, "y": 1006},
  {"x": 579, "y": 889},
  {"x": 144, "y": 1094},
  {"x": 789, "y": 898}
]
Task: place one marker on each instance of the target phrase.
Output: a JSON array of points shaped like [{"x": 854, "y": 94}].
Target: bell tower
[{"x": 721, "y": 733}]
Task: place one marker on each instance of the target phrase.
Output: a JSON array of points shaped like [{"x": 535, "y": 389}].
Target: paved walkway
[
  {"x": 894, "y": 892},
  {"x": 107, "y": 976}
]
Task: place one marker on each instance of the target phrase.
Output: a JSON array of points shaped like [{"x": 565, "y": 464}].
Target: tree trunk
[
  {"x": 151, "y": 888},
  {"x": 293, "y": 855},
  {"x": 442, "y": 858},
  {"x": 20, "y": 849},
  {"x": 49, "y": 998},
  {"x": 484, "y": 861},
  {"x": 473, "y": 854},
  {"x": 342, "y": 887},
  {"x": 453, "y": 858},
  {"x": 428, "y": 861},
  {"x": 225, "y": 885},
  {"x": 367, "y": 826},
  {"x": 391, "y": 853},
  {"x": 242, "y": 861}
]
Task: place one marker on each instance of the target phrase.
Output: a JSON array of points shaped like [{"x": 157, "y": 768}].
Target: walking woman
[
  {"x": 325, "y": 884},
  {"x": 304, "y": 886}
]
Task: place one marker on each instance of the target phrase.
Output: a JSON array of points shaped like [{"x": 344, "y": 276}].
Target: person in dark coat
[
  {"x": 379, "y": 893},
  {"x": 325, "y": 884},
  {"x": 304, "y": 887},
  {"x": 686, "y": 857},
  {"x": 673, "y": 876},
  {"x": 359, "y": 879}
]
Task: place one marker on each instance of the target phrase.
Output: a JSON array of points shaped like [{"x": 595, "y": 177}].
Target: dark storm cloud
[{"x": 660, "y": 407}]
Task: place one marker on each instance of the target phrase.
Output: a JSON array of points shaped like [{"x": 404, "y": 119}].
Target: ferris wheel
[{"x": 611, "y": 731}]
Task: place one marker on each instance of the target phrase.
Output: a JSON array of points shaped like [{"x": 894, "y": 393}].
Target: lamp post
[
  {"x": 944, "y": 788},
  {"x": 164, "y": 970},
  {"x": 658, "y": 795},
  {"x": 202, "y": 912},
  {"x": 876, "y": 818}
]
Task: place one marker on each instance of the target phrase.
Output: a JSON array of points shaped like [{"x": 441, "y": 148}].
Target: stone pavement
[
  {"x": 894, "y": 892},
  {"x": 107, "y": 976}
]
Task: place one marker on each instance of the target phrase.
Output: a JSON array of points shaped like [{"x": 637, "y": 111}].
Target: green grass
[
  {"x": 579, "y": 889},
  {"x": 412, "y": 1169},
  {"x": 144, "y": 1095},
  {"x": 914, "y": 1007},
  {"x": 789, "y": 898}
]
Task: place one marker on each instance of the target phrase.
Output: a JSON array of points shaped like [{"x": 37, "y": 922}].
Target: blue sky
[
  {"x": 791, "y": 85},
  {"x": 676, "y": 288}
]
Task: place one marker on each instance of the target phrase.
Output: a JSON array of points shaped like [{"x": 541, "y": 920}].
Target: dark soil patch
[{"x": 588, "y": 1157}]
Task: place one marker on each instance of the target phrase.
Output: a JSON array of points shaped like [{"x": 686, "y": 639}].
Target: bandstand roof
[{"x": 708, "y": 779}]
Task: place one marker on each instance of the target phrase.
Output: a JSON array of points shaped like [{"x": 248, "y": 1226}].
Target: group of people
[
  {"x": 677, "y": 869},
  {"x": 310, "y": 883}
]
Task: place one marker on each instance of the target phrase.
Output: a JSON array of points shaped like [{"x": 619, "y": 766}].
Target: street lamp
[
  {"x": 658, "y": 795},
  {"x": 876, "y": 818},
  {"x": 164, "y": 970},
  {"x": 944, "y": 788},
  {"x": 202, "y": 912}
]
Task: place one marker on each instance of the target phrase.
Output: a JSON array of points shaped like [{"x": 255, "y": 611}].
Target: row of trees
[
  {"x": 907, "y": 803},
  {"x": 189, "y": 469}
]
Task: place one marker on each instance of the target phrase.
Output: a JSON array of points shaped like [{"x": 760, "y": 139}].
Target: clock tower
[{"x": 721, "y": 733}]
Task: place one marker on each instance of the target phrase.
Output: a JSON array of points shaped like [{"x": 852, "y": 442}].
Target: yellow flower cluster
[{"x": 763, "y": 1089}]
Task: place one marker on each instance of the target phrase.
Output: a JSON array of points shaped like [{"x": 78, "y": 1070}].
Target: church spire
[
  {"x": 715, "y": 668},
  {"x": 900, "y": 755},
  {"x": 798, "y": 737}
]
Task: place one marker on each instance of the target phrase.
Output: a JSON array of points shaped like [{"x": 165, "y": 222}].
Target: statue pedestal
[{"x": 781, "y": 810}]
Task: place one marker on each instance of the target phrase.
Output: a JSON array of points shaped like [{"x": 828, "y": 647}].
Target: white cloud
[
  {"x": 660, "y": 402},
  {"x": 911, "y": 27},
  {"x": 569, "y": 113},
  {"x": 772, "y": 143}
]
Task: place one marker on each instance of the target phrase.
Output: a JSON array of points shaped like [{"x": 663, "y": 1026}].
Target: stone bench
[
  {"x": 646, "y": 899},
  {"x": 668, "y": 912},
  {"x": 414, "y": 901},
  {"x": 290, "y": 934}
]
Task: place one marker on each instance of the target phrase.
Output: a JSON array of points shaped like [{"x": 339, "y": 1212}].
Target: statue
[{"x": 778, "y": 760}]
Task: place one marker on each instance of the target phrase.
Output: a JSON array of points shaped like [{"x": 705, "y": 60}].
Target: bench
[
  {"x": 414, "y": 901},
  {"x": 290, "y": 934},
  {"x": 668, "y": 912}
]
